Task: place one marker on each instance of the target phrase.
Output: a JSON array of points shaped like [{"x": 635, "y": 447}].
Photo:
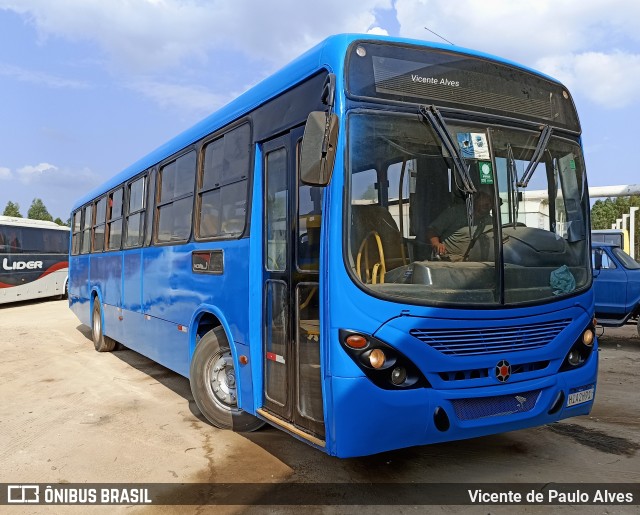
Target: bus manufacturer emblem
[{"x": 503, "y": 371}]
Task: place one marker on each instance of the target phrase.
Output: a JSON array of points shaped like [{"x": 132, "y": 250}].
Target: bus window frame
[
  {"x": 199, "y": 191},
  {"x": 158, "y": 204},
  {"x": 76, "y": 236},
  {"x": 109, "y": 220},
  {"x": 87, "y": 211},
  {"x": 142, "y": 211},
  {"x": 95, "y": 223}
]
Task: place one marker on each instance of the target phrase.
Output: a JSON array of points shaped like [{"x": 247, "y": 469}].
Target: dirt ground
[{"x": 69, "y": 414}]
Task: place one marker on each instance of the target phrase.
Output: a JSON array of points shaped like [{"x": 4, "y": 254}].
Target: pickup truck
[{"x": 616, "y": 282}]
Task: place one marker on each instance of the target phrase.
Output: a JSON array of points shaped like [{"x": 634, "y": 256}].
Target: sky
[{"x": 87, "y": 87}]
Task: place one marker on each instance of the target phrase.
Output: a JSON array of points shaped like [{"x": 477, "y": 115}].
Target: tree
[
  {"x": 12, "y": 210},
  {"x": 38, "y": 211},
  {"x": 59, "y": 221}
]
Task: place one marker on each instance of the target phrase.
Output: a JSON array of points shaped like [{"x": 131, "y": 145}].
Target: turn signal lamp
[
  {"x": 377, "y": 358},
  {"x": 356, "y": 341},
  {"x": 587, "y": 337}
]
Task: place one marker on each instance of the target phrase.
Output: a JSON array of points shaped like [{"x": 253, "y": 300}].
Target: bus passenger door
[{"x": 291, "y": 309}]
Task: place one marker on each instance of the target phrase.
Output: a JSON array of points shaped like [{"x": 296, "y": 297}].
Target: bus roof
[
  {"x": 328, "y": 54},
  {"x": 30, "y": 222}
]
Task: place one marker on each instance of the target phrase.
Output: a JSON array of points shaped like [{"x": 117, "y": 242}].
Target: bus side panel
[
  {"x": 132, "y": 281},
  {"x": 157, "y": 339},
  {"x": 79, "y": 267},
  {"x": 165, "y": 291},
  {"x": 106, "y": 276}
]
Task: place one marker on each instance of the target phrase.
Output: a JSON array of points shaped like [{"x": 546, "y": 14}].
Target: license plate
[{"x": 580, "y": 397}]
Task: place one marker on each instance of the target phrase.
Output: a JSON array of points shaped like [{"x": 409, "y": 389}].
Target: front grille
[
  {"x": 480, "y": 373},
  {"x": 484, "y": 407},
  {"x": 490, "y": 340}
]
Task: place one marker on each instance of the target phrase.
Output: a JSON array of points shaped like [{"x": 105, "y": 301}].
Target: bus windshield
[{"x": 416, "y": 235}]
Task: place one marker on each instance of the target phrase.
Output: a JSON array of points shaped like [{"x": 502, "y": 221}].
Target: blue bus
[{"x": 340, "y": 252}]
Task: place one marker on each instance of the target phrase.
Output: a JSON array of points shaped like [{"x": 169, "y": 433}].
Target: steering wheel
[{"x": 377, "y": 267}]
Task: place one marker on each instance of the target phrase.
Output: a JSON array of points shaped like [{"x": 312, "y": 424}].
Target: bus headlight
[
  {"x": 580, "y": 350},
  {"x": 377, "y": 358},
  {"x": 382, "y": 364},
  {"x": 588, "y": 338}
]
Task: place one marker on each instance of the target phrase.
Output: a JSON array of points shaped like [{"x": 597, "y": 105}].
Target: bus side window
[
  {"x": 76, "y": 228},
  {"x": 10, "y": 240},
  {"x": 135, "y": 213},
  {"x": 114, "y": 217},
  {"x": 99, "y": 225},
  {"x": 175, "y": 200},
  {"x": 222, "y": 191},
  {"x": 87, "y": 222}
]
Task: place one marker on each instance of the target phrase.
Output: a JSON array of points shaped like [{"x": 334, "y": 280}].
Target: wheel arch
[
  {"x": 206, "y": 318},
  {"x": 94, "y": 294}
]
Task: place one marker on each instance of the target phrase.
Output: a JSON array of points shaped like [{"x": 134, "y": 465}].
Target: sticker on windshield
[
  {"x": 486, "y": 177},
  {"x": 473, "y": 145}
]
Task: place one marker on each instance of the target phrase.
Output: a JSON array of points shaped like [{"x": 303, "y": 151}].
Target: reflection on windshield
[{"x": 415, "y": 233}]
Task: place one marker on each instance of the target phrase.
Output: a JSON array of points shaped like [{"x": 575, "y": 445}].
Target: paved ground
[{"x": 69, "y": 414}]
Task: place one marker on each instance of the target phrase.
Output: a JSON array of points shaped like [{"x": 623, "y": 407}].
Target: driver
[{"x": 449, "y": 233}]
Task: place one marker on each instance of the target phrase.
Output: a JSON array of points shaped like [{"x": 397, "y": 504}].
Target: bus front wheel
[
  {"x": 213, "y": 384},
  {"x": 101, "y": 342}
]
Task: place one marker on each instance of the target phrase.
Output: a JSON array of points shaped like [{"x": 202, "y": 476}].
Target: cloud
[
  {"x": 48, "y": 176},
  {"x": 36, "y": 77},
  {"x": 163, "y": 48},
  {"x": 576, "y": 41},
  {"x": 190, "y": 97},
  {"x": 5, "y": 173},
  {"x": 35, "y": 173},
  {"x": 151, "y": 35},
  {"x": 378, "y": 31},
  {"x": 611, "y": 80}
]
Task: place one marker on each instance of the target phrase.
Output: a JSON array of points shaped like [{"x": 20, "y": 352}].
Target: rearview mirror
[{"x": 318, "y": 152}]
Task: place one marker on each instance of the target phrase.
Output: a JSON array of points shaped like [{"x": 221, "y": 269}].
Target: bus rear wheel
[
  {"x": 101, "y": 342},
  {"x": 213, "y": 384}
]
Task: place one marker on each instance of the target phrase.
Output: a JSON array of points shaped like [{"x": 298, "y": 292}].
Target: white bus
[{"x": 34, "y": 259}]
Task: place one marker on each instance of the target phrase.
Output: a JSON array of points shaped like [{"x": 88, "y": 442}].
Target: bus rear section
[{"x": 33, "y": 259}]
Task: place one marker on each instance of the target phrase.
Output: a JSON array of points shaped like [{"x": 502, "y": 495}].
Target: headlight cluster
[
  {"x": 385, "y": 366},
  {"x": 581, "y": 349}
]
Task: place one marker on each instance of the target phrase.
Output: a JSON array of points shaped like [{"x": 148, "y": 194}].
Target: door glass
[
  {"x": 309, "y": 218},
  {"x": 276, "y": 215},
  {"x": 277, "y": 321},
  {"x": 308, "y": 362}
]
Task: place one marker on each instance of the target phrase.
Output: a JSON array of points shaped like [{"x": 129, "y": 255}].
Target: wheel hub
[{"x": 222, "y": 379}]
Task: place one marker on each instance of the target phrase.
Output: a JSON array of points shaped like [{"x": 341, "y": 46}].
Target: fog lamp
[
  {"x": 377, "y": 358},
  {"x": 398, "y": 375},
  {"x": 573, "y": 358},
  {"x": 587, "y": 337}
]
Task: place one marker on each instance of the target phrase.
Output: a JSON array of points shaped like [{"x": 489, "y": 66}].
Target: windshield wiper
[
  {"x": 433, "y": 116},
  {"x": 537, "y": 156}
]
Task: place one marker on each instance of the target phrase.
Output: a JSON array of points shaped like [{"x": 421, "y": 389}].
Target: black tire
[
  {"x": 101, "y": 342},
  {"x": 213, "y": 384}
]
